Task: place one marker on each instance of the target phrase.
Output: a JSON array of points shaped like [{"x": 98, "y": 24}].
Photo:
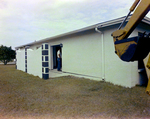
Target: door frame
[{"x": 54, "y": 49}]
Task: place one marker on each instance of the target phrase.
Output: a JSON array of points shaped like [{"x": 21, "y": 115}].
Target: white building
[{"x": 85, "y": 52}]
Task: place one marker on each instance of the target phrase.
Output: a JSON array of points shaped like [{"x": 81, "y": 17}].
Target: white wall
[
  {"x": 82, "y": 55},
  {"x": 20, "y": 56},
  {"x": 34, "y": 61},
  {"x": 116, "y": 70}
]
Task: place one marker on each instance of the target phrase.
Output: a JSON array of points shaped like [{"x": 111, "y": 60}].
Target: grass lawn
[{"x": 25, "y": 96}]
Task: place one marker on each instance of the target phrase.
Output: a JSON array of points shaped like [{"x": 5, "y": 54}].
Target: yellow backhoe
[{"x": 134, "y": 48}]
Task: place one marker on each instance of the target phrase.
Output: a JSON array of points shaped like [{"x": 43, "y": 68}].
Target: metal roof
[{"x": 102, "y": 25}]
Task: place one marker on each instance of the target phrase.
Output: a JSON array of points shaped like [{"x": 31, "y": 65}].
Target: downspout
[{"x": 103, "y": 57}]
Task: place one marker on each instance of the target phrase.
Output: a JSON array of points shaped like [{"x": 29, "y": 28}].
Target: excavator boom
[{"x": 140, "y": 12}]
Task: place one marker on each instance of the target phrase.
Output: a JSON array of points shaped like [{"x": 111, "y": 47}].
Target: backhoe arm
[
  {"x": 135, "y": 48},
  {"x": 123, "y": 45},
  {"x": 140, "y": 12}
]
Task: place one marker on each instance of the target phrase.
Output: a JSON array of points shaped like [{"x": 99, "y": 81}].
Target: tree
[{"x": 6, "y": 54}]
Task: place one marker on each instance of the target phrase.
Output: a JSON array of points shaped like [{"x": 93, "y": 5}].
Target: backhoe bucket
[{"x": 132, "y": 49}]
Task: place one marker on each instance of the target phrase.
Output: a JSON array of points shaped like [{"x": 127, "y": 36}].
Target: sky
[{"x": 26, "y": 21}]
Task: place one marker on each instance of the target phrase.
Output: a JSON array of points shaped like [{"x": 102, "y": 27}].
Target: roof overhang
[{"x": 102, "y": 25}]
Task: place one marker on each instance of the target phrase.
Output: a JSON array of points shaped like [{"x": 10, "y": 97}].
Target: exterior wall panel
[
  {"x": 20, "y": 59},
  {"x": 82, "y": 55},
  {"x": 117, "y": 71},
  {"x": 34, "y": 62}
]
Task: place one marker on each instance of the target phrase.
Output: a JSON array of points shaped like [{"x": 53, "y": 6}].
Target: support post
[
  {"x": 45, "y": 61},
  {"x": 26, "y": 59}
]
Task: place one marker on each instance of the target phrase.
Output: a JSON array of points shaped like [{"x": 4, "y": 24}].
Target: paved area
[{"x": 54, "y": 73}]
